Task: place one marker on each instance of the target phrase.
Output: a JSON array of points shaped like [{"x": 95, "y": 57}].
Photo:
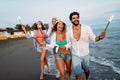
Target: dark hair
[
  {"x": 35, "y": 26},
  {"x": 73, "y": 13},
  {"x": 43, "y": 28}
]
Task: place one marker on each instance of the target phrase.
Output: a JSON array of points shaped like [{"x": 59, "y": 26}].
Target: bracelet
[{"x": 100, "y": 38}]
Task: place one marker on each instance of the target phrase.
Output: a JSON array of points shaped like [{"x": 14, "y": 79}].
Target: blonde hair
[{"x": 54, "y": 18}]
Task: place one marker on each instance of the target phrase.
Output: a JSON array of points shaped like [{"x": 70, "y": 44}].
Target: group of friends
[{"x": 70, "y": 46}]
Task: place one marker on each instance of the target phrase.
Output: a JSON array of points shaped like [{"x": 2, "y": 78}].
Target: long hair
[
  {"x": 55, "y": 28},
  {"x": 43, "y": 28}
]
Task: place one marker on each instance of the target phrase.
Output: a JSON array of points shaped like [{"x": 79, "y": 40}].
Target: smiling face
[
  {"x": 75, "y": 20},
  {"x": 60, "y": 26},
  {"x": 54, "y": 20}
]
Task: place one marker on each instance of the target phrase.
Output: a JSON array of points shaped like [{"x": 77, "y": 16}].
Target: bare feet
[
  {"x": 87, "y": 79},
  {"x": 41, "y": 77},
  {"x": 58, "y": 75}
]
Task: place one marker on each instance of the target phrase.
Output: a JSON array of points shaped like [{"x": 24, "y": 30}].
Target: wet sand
[{"x": 19, "y": 61}]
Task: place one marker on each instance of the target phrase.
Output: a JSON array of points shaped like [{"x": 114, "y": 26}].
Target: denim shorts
[
  {"x": 62, "y": 56},
  {"x": 80, "y": 64},
  {"x": 41, "y": 48}
]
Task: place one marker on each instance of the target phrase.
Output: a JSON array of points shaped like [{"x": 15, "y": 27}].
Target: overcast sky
[{"x": 31, "y": 11}]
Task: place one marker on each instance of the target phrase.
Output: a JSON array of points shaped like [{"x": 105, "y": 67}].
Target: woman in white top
[
  {"x": 39, "y": 40},
  {"x": 60, "y": 42}
]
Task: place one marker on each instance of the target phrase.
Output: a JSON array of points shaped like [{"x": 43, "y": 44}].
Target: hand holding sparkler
[
  {"x": 103, "y": 34},
  {"x": 22, "y": 26}
]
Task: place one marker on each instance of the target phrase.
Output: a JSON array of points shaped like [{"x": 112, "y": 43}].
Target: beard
[{"x": 76, "y": 23}]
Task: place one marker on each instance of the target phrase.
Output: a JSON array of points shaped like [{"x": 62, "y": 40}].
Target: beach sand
[{"x": 19, "y": 61}]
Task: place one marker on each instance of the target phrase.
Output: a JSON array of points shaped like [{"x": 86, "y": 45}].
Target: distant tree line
[
  {"x": 18, "y": 27},
  {"x": 27, "y": 26}
]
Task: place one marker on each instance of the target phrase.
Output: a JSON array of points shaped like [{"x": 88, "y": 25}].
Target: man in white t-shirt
[{"x": 79, "y": 36}]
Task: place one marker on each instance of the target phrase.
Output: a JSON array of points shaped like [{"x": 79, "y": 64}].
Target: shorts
[
  {"x": 80, "y": 64},
  {"x": 67, "y": 56},
  {"x": 41, "y": 48}
]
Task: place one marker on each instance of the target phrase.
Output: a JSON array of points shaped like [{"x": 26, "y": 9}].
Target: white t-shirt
[{"x": 81, "y": 47}]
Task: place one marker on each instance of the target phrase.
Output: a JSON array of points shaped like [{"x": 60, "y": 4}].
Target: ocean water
[{"x": 105, "y": 53}]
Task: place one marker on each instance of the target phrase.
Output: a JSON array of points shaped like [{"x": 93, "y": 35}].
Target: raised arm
[
  {"x": 28, "y": 34},
  {"x": 23, "y": 28},
  {"x": 102, "y": 35},
  {"x": 93, "y": 37}
]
